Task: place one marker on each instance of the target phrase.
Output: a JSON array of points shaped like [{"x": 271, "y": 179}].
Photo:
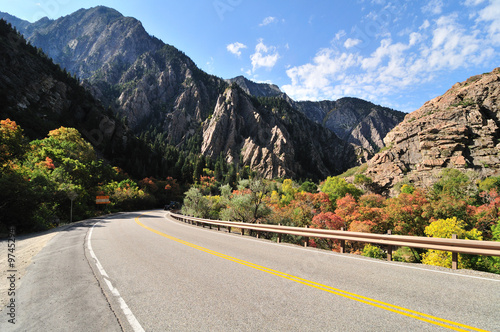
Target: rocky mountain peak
[{"x": 460, "y": 129}]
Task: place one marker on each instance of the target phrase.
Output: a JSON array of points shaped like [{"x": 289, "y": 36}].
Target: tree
[
  {"x": 309, "y": 187},
  {"x": 444, "y": 228},
  {"x": 195, "y": 204},
  {"x": 454, "y": 183},
  {"x": 327, "y": 220},
  {"x": 337, "y": 187},
  {"x": 247, "y": 203},
  {"x": 406, "y": 214},
  {"x": 13, "y": 144}
]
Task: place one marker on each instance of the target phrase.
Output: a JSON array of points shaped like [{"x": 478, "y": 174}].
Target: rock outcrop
[
  {"x": 460, "y": 129},
  {"x": 274, "y": 141}
]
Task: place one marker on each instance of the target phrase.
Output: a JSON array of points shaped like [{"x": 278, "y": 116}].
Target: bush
[{"x": 373, "y": 252}]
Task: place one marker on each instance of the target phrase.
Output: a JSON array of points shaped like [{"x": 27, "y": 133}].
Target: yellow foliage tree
[{"x": 444, "y": 228}]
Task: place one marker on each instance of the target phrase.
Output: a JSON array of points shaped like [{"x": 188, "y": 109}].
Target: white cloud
[
  {"x": 264, "y": 56},
  {"x": 491, "y": 15},
  {"x": 396, "y": 67},
  {"x": 351, "y": 42},
  {"x": 268, "y": 20},
  {"x": 433, "y": 7},
  {"x": 235, "y": 48},
  {"x": 471, "y": 3}
]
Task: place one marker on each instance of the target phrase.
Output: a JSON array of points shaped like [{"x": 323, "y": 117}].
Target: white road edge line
[
  {"x": 134, "y": 323},
  {"x": 246, "y": 238}
]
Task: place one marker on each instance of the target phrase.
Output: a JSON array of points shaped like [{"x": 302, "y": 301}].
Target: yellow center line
[{"x": 359, "y": 298}]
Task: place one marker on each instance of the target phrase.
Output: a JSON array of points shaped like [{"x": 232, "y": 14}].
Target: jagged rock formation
[
  {"x": 460, "y": 129},
  {"x": 275, "y": 141},
  {"x": 354, "y": 120}
]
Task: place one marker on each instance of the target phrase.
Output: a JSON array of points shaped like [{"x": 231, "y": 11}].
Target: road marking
[
  {"x": 359, "y": 298},
  {"x": 134, "y": 323}
]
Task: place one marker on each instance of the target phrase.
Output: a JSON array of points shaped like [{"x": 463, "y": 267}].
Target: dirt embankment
[{"x": 26, "y": 247}]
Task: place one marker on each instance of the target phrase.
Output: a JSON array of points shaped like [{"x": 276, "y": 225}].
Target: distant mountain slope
[
  {"x": 40, "y": 97},
  {"x": 354, "y": 120},
  {"x": 167, "y": 100},
  {"x": 460, "y": 129}
]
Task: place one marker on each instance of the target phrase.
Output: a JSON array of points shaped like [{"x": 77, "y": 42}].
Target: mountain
[
  {"x": 40, "y": 96},
  {"x": 165, "y": 99},
  {"x": 460, "y": 129},
  {"x": 354, "y": 120}
]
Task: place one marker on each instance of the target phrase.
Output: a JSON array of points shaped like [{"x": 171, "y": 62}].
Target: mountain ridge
[
  {"x": 157, "y": 90},
  {"x": 354, "y": 120}
]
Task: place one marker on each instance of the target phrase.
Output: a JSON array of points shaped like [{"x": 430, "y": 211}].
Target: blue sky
[{"x": 395, "y": 53}]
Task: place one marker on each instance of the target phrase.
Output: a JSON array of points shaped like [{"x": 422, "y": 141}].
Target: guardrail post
[
  {"x": 242, "y": 231},
  {"x": 454, "y": 255},
  {"x": 306, "y": 239},
  {"x": 342, "y": 243},
  {"x": 278, "y": 240},
  {"x": 229, "y": 229},
  {"x": 389, "y": 248},
  {"x": 218, "y": 227}
]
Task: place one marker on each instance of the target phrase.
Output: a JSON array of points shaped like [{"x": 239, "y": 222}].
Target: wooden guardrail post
[
  {"x": 218, "y": 228},
  {"x": 454, "y": 255},
  {"x": 229, "y": 229},
  {"x": 389, "y": 248},
  {"x": 342, "y": 243},
  {"x": 306, "y": 239}
]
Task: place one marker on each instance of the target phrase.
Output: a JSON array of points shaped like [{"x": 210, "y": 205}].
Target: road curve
[{"x": 148, "y": 272}]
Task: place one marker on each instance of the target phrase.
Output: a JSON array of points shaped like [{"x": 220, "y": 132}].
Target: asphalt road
[{"x": 146, "y": 271}]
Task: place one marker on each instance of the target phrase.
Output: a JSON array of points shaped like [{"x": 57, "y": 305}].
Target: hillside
[{"x": 460, "y": 129}]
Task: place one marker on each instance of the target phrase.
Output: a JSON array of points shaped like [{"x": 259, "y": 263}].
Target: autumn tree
[
  {"x": 247, "y": 204},
  {"x": 330, "y": 221},
  {"x": 406, "y": 213},
  {"x": 337, "y": 187},
  {"x": 444, "y": 228}
]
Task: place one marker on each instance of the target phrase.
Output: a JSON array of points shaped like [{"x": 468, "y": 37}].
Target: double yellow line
[{"x": 359, "y": 298}]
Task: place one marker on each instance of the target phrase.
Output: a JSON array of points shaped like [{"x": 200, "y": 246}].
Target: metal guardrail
[{"x": 474, "y": 247}]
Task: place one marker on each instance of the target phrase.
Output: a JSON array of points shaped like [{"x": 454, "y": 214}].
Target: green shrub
[{"x": 373, "y": 252}]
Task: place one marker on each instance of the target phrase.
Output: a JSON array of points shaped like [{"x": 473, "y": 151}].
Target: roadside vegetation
[{"x": 40, "y": 178}]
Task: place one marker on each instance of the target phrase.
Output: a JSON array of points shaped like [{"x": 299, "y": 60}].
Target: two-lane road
[{"x": 146, "y": 271}]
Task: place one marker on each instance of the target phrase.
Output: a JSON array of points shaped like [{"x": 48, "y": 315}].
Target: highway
[{"x": 145, "y": 271}]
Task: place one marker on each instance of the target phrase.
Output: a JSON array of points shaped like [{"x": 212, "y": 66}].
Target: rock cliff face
[
  {"x": 460, "y": 129},
  {"x": 354, "y": 120},
  {"x": 275, "y": 141}
]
